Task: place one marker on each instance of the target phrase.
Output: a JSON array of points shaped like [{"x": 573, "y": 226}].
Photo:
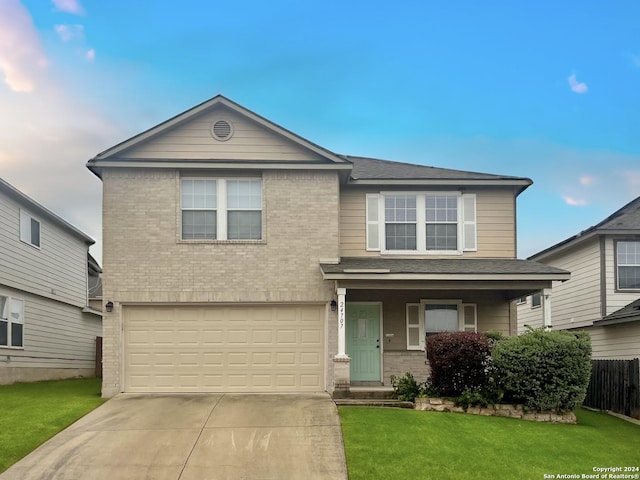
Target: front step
[
  {"x": 366, "y": 393},
  {"x": 371, "y": 402},
  {"x": 369, "y": 396}
]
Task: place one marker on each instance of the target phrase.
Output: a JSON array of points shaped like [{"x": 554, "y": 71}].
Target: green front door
[{"x": 363, "y": 341}]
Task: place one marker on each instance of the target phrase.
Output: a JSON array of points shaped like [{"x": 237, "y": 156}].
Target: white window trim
[
  {"x": 618, "y": 264},
  {"x": 7, "y": 307},
  {"x": 222, "y": 210},
  {"x": 465, "y": 244},
  {"x": 25, "y": 228},
  {"x": 462, "y": 327}
]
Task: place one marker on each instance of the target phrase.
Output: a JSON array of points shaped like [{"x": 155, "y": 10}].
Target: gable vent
[{"x": 222, "y": 130}]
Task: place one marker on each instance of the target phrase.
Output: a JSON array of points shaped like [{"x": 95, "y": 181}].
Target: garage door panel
[{"x": 218, "y": 349}]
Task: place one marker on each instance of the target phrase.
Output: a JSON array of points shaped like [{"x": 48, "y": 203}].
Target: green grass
[
  {"x": 397, "y": 444},
  {"x": 31, "y": 413}
]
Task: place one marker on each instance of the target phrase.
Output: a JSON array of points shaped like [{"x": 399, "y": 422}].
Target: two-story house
[
  {"x": 240, "y": 257},
  {"x": 47, "y": 330},
  {"x": 603, "y": 295}
]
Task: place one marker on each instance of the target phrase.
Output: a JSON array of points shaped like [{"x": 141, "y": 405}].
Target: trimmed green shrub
[
  {"x": 406, "y": 387},
  {"x": 544, "y": 370},
  {"x": 459, "y": 362}
]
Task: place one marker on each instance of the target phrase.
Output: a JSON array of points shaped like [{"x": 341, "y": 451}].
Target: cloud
[
  {"x": 22, "y": 57},
  {"x": 90, "y": 55},
  {"x": 574, "y": 202},
  {"x": 634, "y": 59},
  {"x": 577, "y": 87},
  {"x": 70, "y": 32},
  {"x": 587, "y": 180},
  {"x": 632, "y": 178},
  {"x": 69, "y": 6}
]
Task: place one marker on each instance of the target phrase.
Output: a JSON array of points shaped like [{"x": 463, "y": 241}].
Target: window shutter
[
  {"x": 469, "y": 317},
  {"x": 469, "y": 233},
  {"x": 373, "y": 221},
  {"x": 415, "y": 330}
]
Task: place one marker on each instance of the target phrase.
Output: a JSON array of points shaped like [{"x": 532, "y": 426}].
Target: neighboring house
[
  {"x": 95, "y": 284},
  {"x": 240, "y": 257},
  {"x": 47, "y": 330},
  {"x": 603, "y": 295}
]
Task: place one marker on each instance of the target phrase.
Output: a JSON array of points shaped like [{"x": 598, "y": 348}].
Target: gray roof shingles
[
  {"x": 374, "y": 169},
  {"x": 628, "y": 313},
  {"x": 626, "y": 219},
  {"x": 480, "y": 266}
]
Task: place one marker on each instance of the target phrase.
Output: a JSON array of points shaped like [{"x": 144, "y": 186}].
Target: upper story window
[
  {"x": 29, "y": 229},
  {"x": 221, "y": 209},
  {"x": 443, "y": 222},
  {"x": 11, "y": 322},
  {"x": 628, "y": 265}
]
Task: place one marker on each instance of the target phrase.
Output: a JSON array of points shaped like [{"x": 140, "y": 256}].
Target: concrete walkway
[{"x": 195, "y": 437}]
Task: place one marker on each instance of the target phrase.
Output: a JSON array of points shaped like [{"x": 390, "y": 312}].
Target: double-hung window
[
  {"x": 11, "y": 322},
  {"x": 432, "y": 222},
  {"x": 29, "y": 229},
  {"x": 441, "y": 213},
  {"x": 628, "y": 265},
  {"x": 400, "y": 222},
  {"x": 221, "y": 209},
  {"x": 199, "y": 209},
  {"x": 244, "y": 209},
  {"x": 431, "y": 317}
]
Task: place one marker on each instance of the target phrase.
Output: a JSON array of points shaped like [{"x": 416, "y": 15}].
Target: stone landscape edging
[{"x": 499, "y": 410}]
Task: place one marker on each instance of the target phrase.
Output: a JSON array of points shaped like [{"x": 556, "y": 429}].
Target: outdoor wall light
[
  {"x": 334, "y": 305},
  {"x": 109, "y": 306}
]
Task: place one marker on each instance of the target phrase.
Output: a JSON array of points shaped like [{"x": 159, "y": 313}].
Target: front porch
[{"x": 384, "y": 315}]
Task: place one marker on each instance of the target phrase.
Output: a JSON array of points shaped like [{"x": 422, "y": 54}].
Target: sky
[{"x": 546, "y": 90}]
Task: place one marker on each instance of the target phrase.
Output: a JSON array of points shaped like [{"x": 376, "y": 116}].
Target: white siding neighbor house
[
  {"x": 603, "y": 294},
  {"x": 47, "y": 330}
]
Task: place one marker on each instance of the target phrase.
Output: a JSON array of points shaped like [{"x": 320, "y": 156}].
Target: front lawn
[
  {"x": 31, "y": 413},
  {"x": 393, "y": 443}
]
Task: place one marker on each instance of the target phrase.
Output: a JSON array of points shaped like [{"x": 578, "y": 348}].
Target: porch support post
[
  {"x": 546, "y": 308},
  {"x": 341, "y": 361},
  {"x": 342, "y": 351}
]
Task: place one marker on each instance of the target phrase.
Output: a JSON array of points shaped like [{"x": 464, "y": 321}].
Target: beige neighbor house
[
  {"x": 240, "y": 257},
  {"x": 603, "y": 295},
  {"x": 47, "y": 331}
]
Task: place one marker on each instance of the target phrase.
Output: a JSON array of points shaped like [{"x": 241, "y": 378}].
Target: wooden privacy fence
[
  {"x": 615, "y": 386},
  {"x": 99, "y": 357}
]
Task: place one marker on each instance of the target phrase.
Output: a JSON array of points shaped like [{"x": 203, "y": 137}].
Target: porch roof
[
  {"x": 628, "y": 313},
  {"x": 473, "y": 269}
]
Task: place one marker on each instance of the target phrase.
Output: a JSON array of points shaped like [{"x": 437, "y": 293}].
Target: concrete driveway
[{"x": 195, "y": 437}]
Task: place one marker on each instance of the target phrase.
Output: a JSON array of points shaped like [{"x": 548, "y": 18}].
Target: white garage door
[{"x": 224, "y": 348}]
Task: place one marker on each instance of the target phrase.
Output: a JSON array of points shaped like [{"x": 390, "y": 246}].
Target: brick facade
[{"x": 146, "y": 262}]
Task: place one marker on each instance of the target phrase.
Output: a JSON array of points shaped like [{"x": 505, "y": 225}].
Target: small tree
[{"x": 544, "y": 370}]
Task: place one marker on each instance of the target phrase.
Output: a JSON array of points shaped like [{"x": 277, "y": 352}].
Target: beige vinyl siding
[
  {"x": 495, "y": 212},
  {"x": 529, "y": 317},
  {"x": 576, "y": 302},
  {"x": 615, "y": 300},
  {"x": 496, "y": 224},
  {"x": 193, "y": 140},
  {"x": 57, "y": 270},
  {"x": 56, "y": 335},
  {"x": 621, "y": 341}
]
